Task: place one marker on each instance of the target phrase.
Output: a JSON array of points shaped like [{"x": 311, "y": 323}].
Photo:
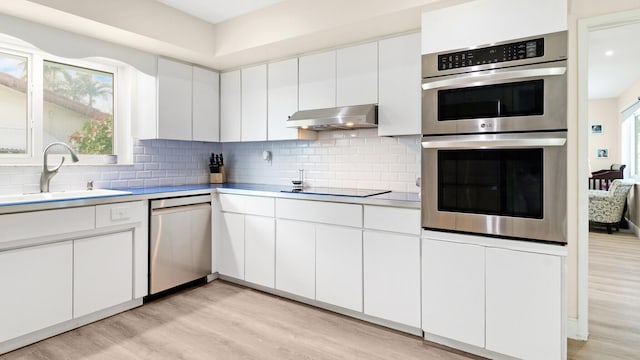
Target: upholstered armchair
[{"x": 607, "y": 207}]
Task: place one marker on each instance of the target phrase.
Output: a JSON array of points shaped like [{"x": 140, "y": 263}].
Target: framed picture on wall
[
  {"x": 596, "y": 129},
  {"x": 602, "y": 153}
]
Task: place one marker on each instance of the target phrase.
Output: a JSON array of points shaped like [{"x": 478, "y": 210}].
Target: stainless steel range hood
[{"x": 339, "y": 118}]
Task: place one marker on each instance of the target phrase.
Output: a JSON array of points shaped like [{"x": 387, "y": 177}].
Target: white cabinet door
[
  {"x": 36, "y": 288},
  {"x": 317, "y": 82},
  {"x": 206, "y": 105},
  {"x": 260, "y": 250},
  {"x": 231, "y": 246},
  {"x": 357, "y": 75},
  {"x": 524, "y": 304},
  {"x": 339, "y": 266},
  {"x": 230, "y": 106},
  {"x": 282, "y": 99},
  {"x": 174, "y": 100},
  {"x": 102, "y": 272},
  {"x": 254, "y": 104},
  {"x": 453, "y": 291},
  {"x": 399, "y": 105},
  {"x": 295, "y": 258},
  {"x": 392, "y": 277}
]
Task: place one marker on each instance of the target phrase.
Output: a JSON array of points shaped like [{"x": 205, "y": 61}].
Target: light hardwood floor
[
  {"x": 614, "y": 299},
  {"x": 224, "y": 321}
]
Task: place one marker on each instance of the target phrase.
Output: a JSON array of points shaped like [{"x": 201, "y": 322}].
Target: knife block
[{"x": 218, "y": 178}]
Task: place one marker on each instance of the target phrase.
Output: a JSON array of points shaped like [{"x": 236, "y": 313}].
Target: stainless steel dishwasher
[{"x": 180, "y": 242}]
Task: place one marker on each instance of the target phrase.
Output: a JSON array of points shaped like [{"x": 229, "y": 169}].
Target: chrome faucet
[{"x": 47, "y": 173}]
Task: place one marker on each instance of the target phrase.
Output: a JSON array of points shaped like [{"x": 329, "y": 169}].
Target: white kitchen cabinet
[
  {"x": 523, "y": 304},
  {"x": 295, "y": 258},
  {"x": 230, "y": 106},
  {"x": 206, "y": 105},
  {"x": 392, "y": 276},
  {"x": 339, "y": 266},
  {"x": 282, "y": 101},
  {"x": 174, "y": 100},
  {"x": 399, "y": 105},
  {"x": 317, "y": 81},
  {"x": 37, "y": 288},
  {"x": 254, "y": 103},
  {"x": 260, "y": 242},
  {"x": 230, "y": 257},
  {"x": 357, "y": 75},
  {"x": 453, "y": 291},
  {"x": 102, "y": 272}
]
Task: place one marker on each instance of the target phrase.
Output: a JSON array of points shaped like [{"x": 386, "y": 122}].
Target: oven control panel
[{"x": 494, "y": 54}]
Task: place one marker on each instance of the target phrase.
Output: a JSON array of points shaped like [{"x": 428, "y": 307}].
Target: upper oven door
[
  {"x": 509, "y": 185},
  {"x": 524, "y": 98}
]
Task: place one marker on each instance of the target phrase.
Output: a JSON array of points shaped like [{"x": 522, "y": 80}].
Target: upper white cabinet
[
  {"x": 282, "y": 101},
  {"x": 399, "y": 86},
  {"x": 174, "y": 100},
  {"x": 317, "y": 82},
  {"x": 188, "y": 103},
  {"x": 206, "y": 105},
  {"x": 489, "y": 23},
  {"x": 254, "y": 103},
  {"x": 357, "y": 75},
  {"x": 230, "y": 106}
]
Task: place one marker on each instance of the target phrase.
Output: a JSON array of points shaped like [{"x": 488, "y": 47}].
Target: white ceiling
[
  {"x": 610, "y": 76},
  {"x": 215, "y": 11}
]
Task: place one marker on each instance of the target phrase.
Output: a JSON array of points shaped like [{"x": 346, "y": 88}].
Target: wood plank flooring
[
  {"x": 224, "y": 321},
  {"x": 614, "y": 299}
]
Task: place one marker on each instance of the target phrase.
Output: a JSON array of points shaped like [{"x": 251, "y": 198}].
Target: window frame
[{"x": 35, "y": 104}]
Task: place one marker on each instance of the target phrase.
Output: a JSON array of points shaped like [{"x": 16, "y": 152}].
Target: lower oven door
[{"x": 507, "y": 185}]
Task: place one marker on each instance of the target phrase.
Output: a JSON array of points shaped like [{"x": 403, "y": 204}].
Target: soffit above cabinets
[{"x": 215, "y": 11}]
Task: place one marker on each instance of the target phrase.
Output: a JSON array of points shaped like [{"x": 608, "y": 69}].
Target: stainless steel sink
[{"x": 58, "y": 195}]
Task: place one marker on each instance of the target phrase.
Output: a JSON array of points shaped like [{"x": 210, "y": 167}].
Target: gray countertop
[{"x": 396, "y": 199}]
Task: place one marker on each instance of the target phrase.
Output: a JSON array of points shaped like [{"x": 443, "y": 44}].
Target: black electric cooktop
[{"x": 337, "y": 191}]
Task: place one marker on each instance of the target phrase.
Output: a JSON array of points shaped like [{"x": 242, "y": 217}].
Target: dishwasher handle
[
  {"x": 180, "y": 201},
  {"x": 176, "y": 209}
]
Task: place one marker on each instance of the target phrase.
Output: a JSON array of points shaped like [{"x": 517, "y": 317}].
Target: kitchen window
[{"x": 44, "y": 99}]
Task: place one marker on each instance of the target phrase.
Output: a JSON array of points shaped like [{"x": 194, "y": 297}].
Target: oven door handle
[
  {"x": 493, "y": 75},
  {"x": 492, "y": 143}
]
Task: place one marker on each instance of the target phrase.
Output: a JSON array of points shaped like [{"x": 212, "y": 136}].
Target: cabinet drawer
[
  {"x": 121, "y": 213},
  {"x": 46, "y": 223},
  {"x": 252, "y": 205},
  {"x": 320, "y": 212},
  {"x": 392, "y": 219}
]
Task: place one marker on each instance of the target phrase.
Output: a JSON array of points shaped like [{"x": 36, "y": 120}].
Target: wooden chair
[{"x": 602, "y": 179}]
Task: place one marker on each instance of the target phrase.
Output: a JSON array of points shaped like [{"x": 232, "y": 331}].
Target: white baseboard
[
  {"x": 573, "y": 330},
  {"x": 634, "y": 228}
]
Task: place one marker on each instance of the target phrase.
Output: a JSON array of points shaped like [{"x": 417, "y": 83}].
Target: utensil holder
[{"x": 218, "y": 178}]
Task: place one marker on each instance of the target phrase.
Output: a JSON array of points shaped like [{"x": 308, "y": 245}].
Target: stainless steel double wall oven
[{"x": 494, "y": 155}]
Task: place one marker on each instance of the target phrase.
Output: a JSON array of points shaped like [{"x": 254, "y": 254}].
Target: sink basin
[{"x": 58, "y": 195}]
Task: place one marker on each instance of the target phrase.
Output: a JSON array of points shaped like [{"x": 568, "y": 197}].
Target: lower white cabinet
[
  {"x": 501, "y": 299},
  {"x": 339, "y": 266},
  {"x": 392, "y": 277},
  {"x": 295, "y": 257},
  {"x": 37, "y": 288},
  {"x": 260, "y": 243},
  {"x": 523, "y": 312},
  {"x": 453, "y": 289},
  {"x": 231, "y": 245},
  {"x": 102, "y": 272}
]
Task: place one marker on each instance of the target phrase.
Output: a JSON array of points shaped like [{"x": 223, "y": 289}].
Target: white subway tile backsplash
[{"x": 352, "y": 158}]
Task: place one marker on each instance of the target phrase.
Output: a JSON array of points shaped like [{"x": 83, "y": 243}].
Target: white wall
[
  {"x": 336, "y": 159},
  {"x": 604, "y": 112}
]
